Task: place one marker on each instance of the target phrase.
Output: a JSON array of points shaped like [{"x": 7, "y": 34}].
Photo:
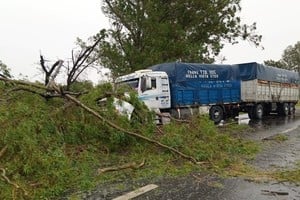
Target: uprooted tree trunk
[{"x": 65, "y": 94}]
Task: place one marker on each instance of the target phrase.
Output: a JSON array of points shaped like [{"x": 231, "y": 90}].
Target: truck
[{"x": 222, "y": 91}]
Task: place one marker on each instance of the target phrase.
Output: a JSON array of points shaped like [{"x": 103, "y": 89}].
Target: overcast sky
[{"x": 52, "y": 26}]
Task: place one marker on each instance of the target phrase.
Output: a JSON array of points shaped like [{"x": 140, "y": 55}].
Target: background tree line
[
  {"x": 144, "y": 33},
  {"x": 290, "y": 58}
]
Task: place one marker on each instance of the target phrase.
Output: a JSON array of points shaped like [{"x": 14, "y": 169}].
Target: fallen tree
[
  {"x": 48, "y": 147},
  {"x": 60, "y": 92}
]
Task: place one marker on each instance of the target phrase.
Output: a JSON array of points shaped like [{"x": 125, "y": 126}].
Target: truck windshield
[{"x": 133, "y": 83}]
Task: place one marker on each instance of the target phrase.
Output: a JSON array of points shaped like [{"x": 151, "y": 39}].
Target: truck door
[
  {"x": 150, "y": 92},
  {"x": 155, "y": 91}
]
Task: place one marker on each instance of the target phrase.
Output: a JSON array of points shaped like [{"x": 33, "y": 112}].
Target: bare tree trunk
[{"x": 48, "y": 72}]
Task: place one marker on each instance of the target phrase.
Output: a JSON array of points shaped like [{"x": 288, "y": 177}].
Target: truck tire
[
  {"x": 258, "y": 111},
  {"x": 283, "y": 109},
  {"x": 216, "y": 114},
  {"x": 292, "y": 109}
]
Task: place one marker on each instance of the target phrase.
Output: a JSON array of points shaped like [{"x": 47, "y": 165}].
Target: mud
[{"x": 276, "y": 154}]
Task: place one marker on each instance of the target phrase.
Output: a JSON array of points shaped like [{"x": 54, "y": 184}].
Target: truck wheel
[
  {"x": 258, "y": 111},
  {"x": 285, "y": 109},
  {"x": 292, "y": 109},
  {"x": 216, "y": 114}
]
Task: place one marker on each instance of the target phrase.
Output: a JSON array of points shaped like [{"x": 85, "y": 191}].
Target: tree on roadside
[
  {"x": 274, "y": 63},
  {"x": 290, "y": 58},
  {"x": 4, "y": 70},
  {"x": 144, "y": 33}
]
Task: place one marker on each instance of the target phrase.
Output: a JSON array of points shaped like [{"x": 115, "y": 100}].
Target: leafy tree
[
  {"x": 290, "y": 58},
  {"x": 144, "y": 33},
  {"x": 274, "y": 63},
  {"x": 4, "y": 70}
]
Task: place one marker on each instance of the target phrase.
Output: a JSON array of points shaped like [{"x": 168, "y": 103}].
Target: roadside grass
[
  {"x": 214, "y": 148},
  {"x": 280, "y": 138},
  {"x": 292, "y": 175},
  {"x": 246, "y": 171}
]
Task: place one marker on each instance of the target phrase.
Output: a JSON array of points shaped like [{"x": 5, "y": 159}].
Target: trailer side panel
[{"x": 267, "y": 91}]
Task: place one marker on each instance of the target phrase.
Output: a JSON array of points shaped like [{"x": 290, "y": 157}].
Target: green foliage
[
  {"x": 280, "y": 138},
  {"x": 81, "y": 86},
  {"x": 145, "y": 33},
  {"x": 289, "y": 175},
  {"x": 274, "y": 63},
  {"x": 53, "y": 143},
  {"x": 4, "y": 70},
  {"x": 205, "y": 142},
  {"x": 55, "y": 147},
  {"x": 290, "y": 58}
]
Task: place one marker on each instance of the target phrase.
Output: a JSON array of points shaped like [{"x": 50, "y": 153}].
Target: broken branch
[
  {"x": 3, "y": 175},
  {"x": 275, "y": 192},
  {"x": 3, "y": 150},
  {"x": 172, "y": 118},
  {"x": 121, "y": 167}
]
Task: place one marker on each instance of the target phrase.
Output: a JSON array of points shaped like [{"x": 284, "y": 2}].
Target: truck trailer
[{"x": 223, "y": 91}]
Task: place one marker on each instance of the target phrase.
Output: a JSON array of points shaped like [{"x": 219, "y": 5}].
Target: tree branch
[
  {"x": 3, "y": 175},
  {"x": 3, "y": 150},
  {"x": 128, "y": 27},
  {"x": 78, "y": 67},
  {"x": 121, "y": 167}
]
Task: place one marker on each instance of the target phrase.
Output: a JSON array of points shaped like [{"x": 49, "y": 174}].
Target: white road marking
[
  {"x": 289, "y": 130},
  {"x": 137, "y": 192}
]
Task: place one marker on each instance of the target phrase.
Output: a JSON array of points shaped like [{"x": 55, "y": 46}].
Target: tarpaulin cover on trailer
[
  {"x": 181, "y": 72},
  {"x": 201, "y": 84},
  {"x": 251, "y": 71}
]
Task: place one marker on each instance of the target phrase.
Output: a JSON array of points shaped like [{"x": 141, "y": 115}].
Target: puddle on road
[
  {"x": 270, "y": 121},
  {"x": 238, "y": 189},
  {"x": 269, "y": 126},
  {"x": 275, "y": 155}
]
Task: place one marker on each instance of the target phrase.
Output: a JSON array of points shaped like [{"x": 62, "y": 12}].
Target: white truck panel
[{"x": 257, "y": 90}]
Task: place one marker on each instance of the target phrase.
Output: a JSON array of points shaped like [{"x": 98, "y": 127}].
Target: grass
[
  {"x": 280, "y": 138},
  {"x": 289, "y": 175}
]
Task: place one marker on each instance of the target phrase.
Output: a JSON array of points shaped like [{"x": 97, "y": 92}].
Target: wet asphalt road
[{"x": 275, "y": 155}]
